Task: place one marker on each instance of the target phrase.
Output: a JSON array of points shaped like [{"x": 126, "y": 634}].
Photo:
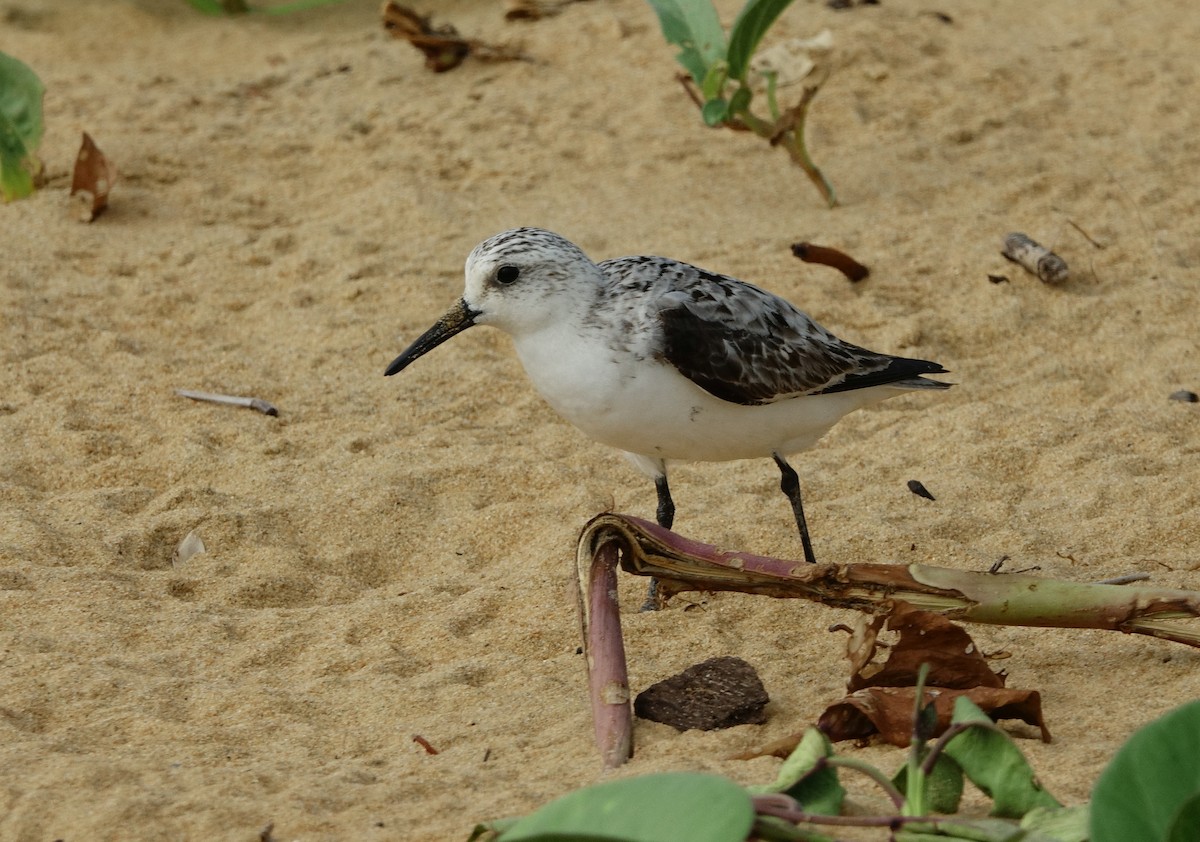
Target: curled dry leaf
[
  {"x": 793, "y": 60},
  {"x": 94, "y": 176},
  {"x": 190, "y": 546},
  {"x": 443, "y": 47},
  {"x": 888, "y": 711},
  {"x": 954, "y": 659},
  {"x": 882, "y": 696}
]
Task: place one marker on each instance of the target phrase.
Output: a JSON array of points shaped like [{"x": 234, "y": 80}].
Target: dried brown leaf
[
  {"x": 888, "y": 711},
  {"x": 954, "y": 659},
  {"x": 443, "y": 47},
  {"x": 94, "y": 176}
]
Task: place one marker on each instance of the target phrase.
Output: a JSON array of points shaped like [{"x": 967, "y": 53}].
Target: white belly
[{"x": 648, "y": 408}]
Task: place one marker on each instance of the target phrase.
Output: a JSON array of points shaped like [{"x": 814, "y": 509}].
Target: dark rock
[{"x": 718, "y": 693}]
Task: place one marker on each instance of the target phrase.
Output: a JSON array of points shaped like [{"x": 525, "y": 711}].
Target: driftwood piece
[{"x": 681, "y": 564}]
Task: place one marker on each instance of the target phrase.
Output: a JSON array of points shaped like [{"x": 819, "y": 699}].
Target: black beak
[{"x": 457, "y": 319}]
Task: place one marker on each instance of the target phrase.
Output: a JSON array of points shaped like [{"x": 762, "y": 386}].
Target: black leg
[
  {"x": 666, "y": 506},
  {"x": 789, "y": 484},
  {"x": 666, "y": 517}
]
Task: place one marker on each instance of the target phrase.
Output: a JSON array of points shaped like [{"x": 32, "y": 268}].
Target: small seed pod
[{"x": 1036, "y": 258}]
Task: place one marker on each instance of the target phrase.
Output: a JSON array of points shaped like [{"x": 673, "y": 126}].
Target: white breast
[{"x": 644, "y": 406}]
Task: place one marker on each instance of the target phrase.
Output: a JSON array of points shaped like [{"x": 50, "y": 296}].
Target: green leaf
[
  {"x": 1062, "y": 824},
  {"x": 653, "y": 808},
  {"x": 715, "y": 111},
  {"x": 816, "y": 788},
  {"x": 1185, "y": 827},
  {"x": 751, "y": 25},
  {"x": 994, "y": 764},
  {"x": 1152, "y": 783},
  {"x": 693, "y": 26},
  {"x": 20, "y": 127},
  {"x": 976, "y": 830},
  {"x": 943, "y": 786}
]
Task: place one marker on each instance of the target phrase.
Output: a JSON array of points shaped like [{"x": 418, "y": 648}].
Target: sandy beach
[{"x": 391, "y": 557}]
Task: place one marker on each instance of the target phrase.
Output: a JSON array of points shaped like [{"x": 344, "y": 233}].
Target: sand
[{"x": 390, "y": 557}]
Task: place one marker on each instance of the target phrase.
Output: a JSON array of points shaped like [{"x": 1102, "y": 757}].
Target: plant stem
[
  {"x": 791, "y": 134},
  {"x": 914, "y": 803},
  {"x": 871, "y": 772},
  {"x": 682, "y": 564},
  {"x": 788, "y": 130},
  {"x": 772, "y": 102},
  {"x": 604, "y": 651}
]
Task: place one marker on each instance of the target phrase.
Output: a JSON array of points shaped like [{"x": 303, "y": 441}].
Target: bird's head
[{"x": 519, "y": 281}]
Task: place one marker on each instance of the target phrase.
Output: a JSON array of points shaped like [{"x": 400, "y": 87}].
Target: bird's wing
[{"x": 747, "y": 346}]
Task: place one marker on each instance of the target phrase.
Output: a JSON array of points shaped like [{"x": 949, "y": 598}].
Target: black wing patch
[{"x": 744, "y": 345}]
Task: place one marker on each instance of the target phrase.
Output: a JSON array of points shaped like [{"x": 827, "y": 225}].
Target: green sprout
[{"x": 718, "y": 71}]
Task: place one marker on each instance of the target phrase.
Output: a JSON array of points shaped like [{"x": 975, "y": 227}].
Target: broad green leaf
[
  {"x": 653, "y": 808},
  {"x": 693, "y": 26},
  {"x": 994, "y": 764},
  {"x": 1185, "y": 827},
  {"x": 751, "y": 25},
  {"x": 20, "y": 127},
  {"x": 817, "y": 790},
  {"x": 1153, "y": 781}
]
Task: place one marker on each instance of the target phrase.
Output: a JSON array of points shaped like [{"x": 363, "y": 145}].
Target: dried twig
[
  {"x": 424, "y": 743},
  {"x": 230, "y": 400},
  {"x": 443, "y": 47},
  {"x": 1086, "y": 235},
  {"x": 826, "y": 256}
]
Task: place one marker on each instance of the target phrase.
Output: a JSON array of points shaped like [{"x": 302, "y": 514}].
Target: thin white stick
[{"x": 229, "y": 400}]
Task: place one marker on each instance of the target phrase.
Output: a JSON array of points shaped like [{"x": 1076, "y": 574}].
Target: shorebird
[{"x": 666, "y": 361}]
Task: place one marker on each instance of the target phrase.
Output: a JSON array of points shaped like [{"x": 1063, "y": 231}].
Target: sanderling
[{"x": 664, "y": 360}]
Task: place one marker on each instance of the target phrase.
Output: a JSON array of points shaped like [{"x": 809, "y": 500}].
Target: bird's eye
[{"x": 507, "y": 274}]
